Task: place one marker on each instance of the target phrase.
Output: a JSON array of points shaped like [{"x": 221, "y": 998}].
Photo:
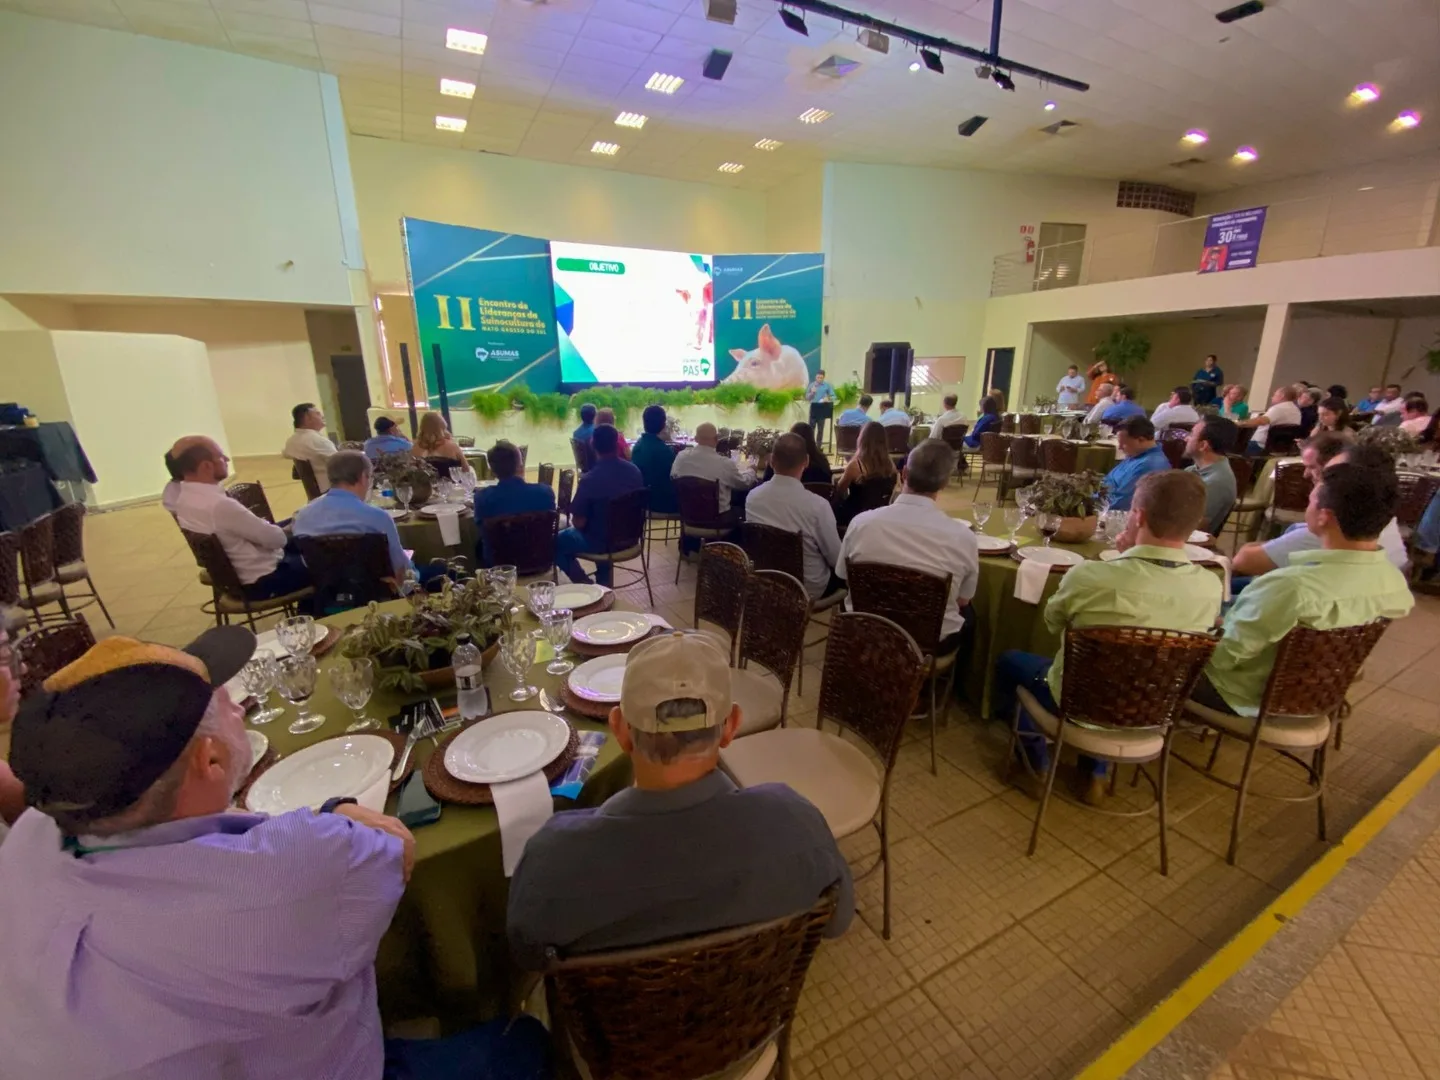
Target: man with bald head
[{"x": 702, "y": 460}]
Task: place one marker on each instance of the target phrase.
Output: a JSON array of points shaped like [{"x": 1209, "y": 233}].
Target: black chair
[
  {"x": 584, "y": 455},
  {"x": 445, "y": 467},
  {"x": 847, "y": 437},
  {"x": 700, "y": 517},
  {"x": 348, "y": 570},
  {"x": 252, "y": 497},
  {"x": 1284, "y": 439},
  {"x": 545, "y": 474},
  {"x": 897, "y": 438},
  {"x": 229, "y": 598},
  {"x": 625, "y": 537},
  {"x": 525, "y": 541},
  {"x": 564, "y": 493},
  {"x": 305, "y": 473}
]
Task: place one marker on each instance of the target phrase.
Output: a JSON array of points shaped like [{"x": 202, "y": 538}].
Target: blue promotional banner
[
  {"x": 1232, "y": 241},
  {"x": 768, "y": 320}
]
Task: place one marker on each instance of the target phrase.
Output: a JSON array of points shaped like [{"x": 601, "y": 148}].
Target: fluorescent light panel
[
  {"x": 457, "y": 88},
  {"x": 664, "y": 84},
  {"x": 769, "y": 144},
  {"x": 465, "y": 41},
  {"x": 815, "y": 116},
  {"x": 631, "y": 119},
  {"x": 730, "y": 167},
  {"x": 608, "y": 148},
  {"x": 450, "y": 123}
]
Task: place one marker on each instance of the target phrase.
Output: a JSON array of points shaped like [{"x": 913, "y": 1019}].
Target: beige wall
[
  {"x": 793, "y": 213},
  {"x": 30, "y": 375}
]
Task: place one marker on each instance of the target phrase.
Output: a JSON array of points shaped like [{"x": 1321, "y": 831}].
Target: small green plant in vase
[
  {"x": 405, "y": 469},
  {"x": 1074, "y": 498}
]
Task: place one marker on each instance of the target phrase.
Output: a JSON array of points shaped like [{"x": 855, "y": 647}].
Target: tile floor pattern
[{"x": 1003, "y": 966}]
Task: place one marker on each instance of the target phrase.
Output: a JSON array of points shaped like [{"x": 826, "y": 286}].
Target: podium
[{"x": 820, "y": 415}]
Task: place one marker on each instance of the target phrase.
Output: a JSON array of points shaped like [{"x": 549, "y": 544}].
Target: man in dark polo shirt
[
  {"x": 684, "y": 851},
  {"x": 607, "y": 479}
]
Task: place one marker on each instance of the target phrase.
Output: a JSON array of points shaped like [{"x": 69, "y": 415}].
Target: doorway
[
  {"x": 999, "y": 365},
  {"x": 352, "y": 397}
]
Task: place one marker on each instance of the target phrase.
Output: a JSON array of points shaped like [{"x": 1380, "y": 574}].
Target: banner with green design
[{"x": 768, "y": 319}]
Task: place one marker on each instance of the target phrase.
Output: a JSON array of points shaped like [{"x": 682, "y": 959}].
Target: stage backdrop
[{"x": 492, "y": 302}]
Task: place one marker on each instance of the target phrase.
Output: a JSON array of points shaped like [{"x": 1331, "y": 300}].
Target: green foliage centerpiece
[{"x": 1074, "y": 498}]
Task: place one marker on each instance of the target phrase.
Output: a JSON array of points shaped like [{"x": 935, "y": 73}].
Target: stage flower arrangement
[{"x": 628, "y": 400}]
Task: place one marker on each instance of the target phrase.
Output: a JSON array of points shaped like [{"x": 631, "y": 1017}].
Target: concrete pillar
[{"x": 1272, "y": 337}]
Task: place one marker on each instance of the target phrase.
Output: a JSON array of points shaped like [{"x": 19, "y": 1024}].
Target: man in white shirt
[
  {"x": 170, "y": 493},
  {"x": 1177, "y": 410},
  {"x": 308, "y": 442},
  {"x": 1392, "y": 402},
  {"x": 1283, "y": 411},
  {"x": 258, "y": 550},
  {"x": 1103, "y": 402},
  {"x": 914, "y": 532},
  {"x": 890, "y": 416},
  {"x": 702, "y": 460},
  {"x": 951, "y": 415},
  {"x": 783, "y": 503},
  {"x": 1070, "y": 388}
]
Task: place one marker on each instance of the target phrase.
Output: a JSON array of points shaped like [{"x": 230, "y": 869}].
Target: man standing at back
[
  {"x": 1209, "y": 442},
  {"x": 1070, "y": 387},
  {"x": 308, "y": 442},
  {"x": 1136, "y": 440},
  {"x": 683, "y": 851},
  {"x": 608, "y": 479},
  {"x": 784, "y": 503}
]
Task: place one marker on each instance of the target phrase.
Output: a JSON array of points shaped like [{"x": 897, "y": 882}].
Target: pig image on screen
[{"x": 770, "y": 365}]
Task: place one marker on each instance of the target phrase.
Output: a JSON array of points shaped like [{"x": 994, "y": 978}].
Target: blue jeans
[
  {"x": 1427, "y": 533},
  {"x": 1013, "y": 670},
  {"x": 571, "y": 542},
  {"x": 498, "y": 1050}
]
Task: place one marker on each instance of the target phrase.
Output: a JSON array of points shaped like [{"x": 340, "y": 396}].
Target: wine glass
[
  {"x": 353, "y": 682},
  {"x": 1014, "y": 518},
  {"x": 1114, "y": 521},
  {"x": 443, "y": 489},
  {"x": 557, "y": 624},
  {"x": 296, "y": 634},
  {"x": 258, "y": 678},
  {"x": 1049, "y": 525},
  {"x": 542, "y": 596},
  {"x": 503, "y": 578},
  {"x": 981, "y": 510},
  {"x": 296, "y": 684},
  {"x": 402, "y": 495},
  {"x": 517, "y": 653}
]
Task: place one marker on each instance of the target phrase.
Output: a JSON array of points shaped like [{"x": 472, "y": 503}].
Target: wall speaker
[
  {"x": 715, "y": 64},
  {"x": 887, "y": 368}
]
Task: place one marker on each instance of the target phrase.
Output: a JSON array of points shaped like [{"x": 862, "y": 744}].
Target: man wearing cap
[
  {"x": 148, "y": 932},
  {"x": 684, "y": 851},
  {"x": 386, "y": 440}
]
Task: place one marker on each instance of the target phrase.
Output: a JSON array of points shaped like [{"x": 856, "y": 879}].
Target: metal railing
[{"x": 1373, "y": 219}]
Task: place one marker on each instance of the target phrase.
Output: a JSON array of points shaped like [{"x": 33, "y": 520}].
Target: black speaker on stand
[{"x": 887, "y": 369}]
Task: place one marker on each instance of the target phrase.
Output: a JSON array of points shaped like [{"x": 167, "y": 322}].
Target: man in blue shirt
[
  {"x": 1367, "y": 404},
  {"x": 510, "y": 494},
  {"x": 609, "y": 478},
  {"x": 655, "y": 458},
  {"x": 856, "y": 416},
  {"x": 1125, "y": 407},
  {"x": 587, "y": 424},
  {"x": 819, "y": 392},
  {"x": 890, "y": 416},
  {"x": 1143, "y": 455},
  {"x": 386, "y": 440}
]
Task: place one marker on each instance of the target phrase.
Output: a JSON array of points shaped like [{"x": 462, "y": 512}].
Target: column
[{"x": 1272, "y": 337}]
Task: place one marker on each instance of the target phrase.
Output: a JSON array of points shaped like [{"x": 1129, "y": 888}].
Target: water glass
[
  {"x": 503, "y": 578},
  {"x": 443, "y": 489},
  {"x": 403, "y": 492},
  {"x": 980, "y": 511},
  {"x": 258, "y": 678},
  {"x": 1049, "y": 525},
  {"x": 296, "y": 634},
  {"x": 1014, "y": 519},
  {"x": 557, "y": 624},
  {"x": 541, "y": 598},
  {"x": 296, "y": 685},
  {"x": 1114, "y": 522},
  {"x": 517, "y": 653},
  {"x": 353, "y": 682}
]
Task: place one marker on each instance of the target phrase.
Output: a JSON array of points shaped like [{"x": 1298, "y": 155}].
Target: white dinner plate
[
  {"x": 1197, "y": 554},
  {"x": 1052, "y": 556},
  {"x": 258, "y": 745},
  {"x": 436, "y": 508},
  {"x": 599, "y": 679},
  {"x": 1110, "y": 555},
  {"x": 578, "y": 596},
  {"x": 396, "y": 513},
  {"x": 506, "y": 747},
  {"x": 325, "y": 770},
  {"x": 611, "y": 628},
  {"x": 1200, "y": 536},
  {"x": 992, "y": 545}
]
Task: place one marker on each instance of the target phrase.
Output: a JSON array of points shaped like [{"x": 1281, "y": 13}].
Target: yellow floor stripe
[{"x": 1236, "y": 953}]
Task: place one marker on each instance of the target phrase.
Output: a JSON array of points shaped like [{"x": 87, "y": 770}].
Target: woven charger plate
[
  {"x": 325, "y": 644},
  {"x": 584, "y": 649},
  {"x": 447, "y": 788},
  {"x": 596, "y": 710}
]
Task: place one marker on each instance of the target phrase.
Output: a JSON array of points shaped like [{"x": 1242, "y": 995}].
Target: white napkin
[
  {"x": 659, "y": 620},
  {"x": 1030, "y": 581},
  {"x": 1224, "y": 561},
  {"x": 449, "y": 519},
  {"x": 523, "y": 806}
]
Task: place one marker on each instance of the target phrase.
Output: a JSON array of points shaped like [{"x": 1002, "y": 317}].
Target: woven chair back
[
  {"x": 911, "y": 599},
  {"x": 583, "y": 454},
  {"x": 994, "y": 448},
  {"x": 69, "y": 525},
  {"x": 1292, "y": 487},
  {"x": 1025, "y": 453},
  {"x": 1130, "y": 676},
  {"x": 1059, "y": 456},
  {"x": 525, "y": 541},
  {"x": 720, "y": 586},
  {"x": 773, "y": 634},
  {"x": 825, "y": 491},
  {"x": 306, "y": 472},
  {"x": 37, "y": 551},
  {"x": 1416, "y": 491},
  {"x": 45, "y": 651},
  {"x": 1244, "y": 470},
  {"x": 872, "y": 676},
  {"x": 545, "y": 474},
  {"x": 770, "y": 548},
  {"x": 1186, "y": 426},
  {"x": 565, "y": 491},
  {"x": 347, "y": 569},
  {"x": 897, "y": 438},
  {"x": 210, "y": 555},
  {"x": 9, "y": 569},
  {"x": 1028, "y": 424},
  {"x": 251, "y": 495},
  {"x": 1314, "y": 669},
  {"x": 953, "y": 436},
  {"x": 625, "y": 520},
  {"x": 847, "y": 437},
  {"x": 1174, "y": 449},
  {"x": 698, "y": 500},
  {"x": 1008, "y": 424}
]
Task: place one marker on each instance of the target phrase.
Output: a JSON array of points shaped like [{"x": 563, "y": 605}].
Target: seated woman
[
  {"x": 622, "y": 448},
  {"x": 1334, "y": 415},
  {"x": 1232, "y": 403},
  {"x": 435, "y": 441},
  {"x": 862, "y": 486},
  {"x": 817, "y": 468},
  {"x": 989, "y": 420}
]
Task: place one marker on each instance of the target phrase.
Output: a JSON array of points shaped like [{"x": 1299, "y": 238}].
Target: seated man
[
  {"x": 1391, "y": 401},
  {"x": 170, "y": 493},
  {"x": 308, "y": 443},
  {"x": 890, "y": 416},
  {"x": 1135, "y": 437},
  {"x": 654, "y": 457},
  {"x": 1415, "y": 415},
  {"x": 703, "y": 461},
  {"x": 856, "y": 415},
  {"x": 265, "y": 560},
  {"x": 1106, "y": 399},
  {"x": 1153, "y": 584},
  {"x": 683, "y": 851},
  {"x": 607, "y": 479},
  {"x": 783, "y": 502},
  {"x": 510, "y": 494},
  {"x": 1177, "y": 410},
  {"x": 1369, "y": 403},
  {"x": 951, "y": 415},
  {"x": 1125, "y": 407},
  {"x": 1282, "y": 411},
  {"x": 587, "y": 425},
  {"x": 386, "y": 440},
  {"x": 914, "y": 532},
  {"x": 1209, "y": 442},
  {"x": 1349, "y": 581}
]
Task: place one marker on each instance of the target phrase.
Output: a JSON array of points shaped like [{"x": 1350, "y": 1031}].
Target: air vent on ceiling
[
  {"x": 836, "y": 67},
  {"x": 1059, "y": 126},
  {"x": 1143, "y": 195}
]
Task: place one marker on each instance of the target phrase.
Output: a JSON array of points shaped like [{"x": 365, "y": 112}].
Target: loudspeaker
[
  {"x": 887, "y": 368},
  {"x": 969, "y": 127},
  {"x": 715, "y": 64},
  {"x": 721, "y": 11}
]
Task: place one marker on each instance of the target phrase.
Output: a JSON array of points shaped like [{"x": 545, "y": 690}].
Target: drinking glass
[
  {"x": 443, "y": 489},
  {"x": 296, "y": 634},
  {"x": 1114, "y": 525},
  {"x": 504, "y": 580},
  {"x": 258, "y": 678},
  {"x": 296, "y": 684},
  {"x": 353, "y": 682},
  {"x": 402, "y": 495},
  {"x": 517, "y": 653},
  {"x": 1049, "y": 525},
  {"x": 542, "y": 596},
  {"x": 557, "y": 624},
  {"x": 980, "y": 511},
  {"x": 1014, "y": 519}
]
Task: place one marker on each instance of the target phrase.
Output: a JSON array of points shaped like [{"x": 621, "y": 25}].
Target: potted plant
[
  {"x": 759, "y": 442},
  {"x": 411, "y": 648},
  {"x": 1124, "y": 350},
  {"x": 1393, "y": 440},
  {"x": 1043, "y": 404},
  {"x": 1071, "y": 496},
  {"x": 405, "y": 468}
]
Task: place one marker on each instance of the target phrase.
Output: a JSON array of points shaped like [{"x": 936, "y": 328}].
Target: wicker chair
[
  {"x": 897, "y": 439},
  {"x": 1292, "y": 494},
  {"x": 1028, "y": 424},
  {"x": 37, "y": 563},
  {"x": 720, "y": 593},
  {"x": 698, "y": 1007},
  {"x": 1172, "y": 443},
  {"x": 70, "y": 566},
  {"x": 305, "y": 473},
  {"x": 625, "y": 537},
  {"x": 916, "y": 602},
  {"x": 252, "y": 496},
  {"x": 525, "y": 541},
  {"x": 1284, "y": 439},
  {"x": 1416, "y": 491},
  {"x": 700, "y": 516},
  {"x": 772, "y": 638},
  {"x": 1059, "y": 456},
  {"x": 1122, "y": 691},
  {"x": 348, "y": 570},
  {"x": 953, "y": 436},
  {"x": 564, "y": 493},
  {"x": 45, "y": 651},
  {"x": 545, "y": 474},
  {"x": 12, "y": 615},
  {"x": 825, "y": 491},
  {"x": 871, "y": 680},
  {"x": 1307, "y": 686},
  {"x": 584, "y": 455},
  {"x": 1024, "y": 462},
  {"x": 1242, "y": 514},
  {"x": 994, "y": 459},
  {"x": 229, "y": 599},
  {"x": 1008, "y": 424},
  {"x": 847, "y": 438},
  {"x": 770, "y": 548}
]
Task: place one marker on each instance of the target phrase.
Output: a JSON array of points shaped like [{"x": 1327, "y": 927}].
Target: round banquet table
[
  {"x": 445, "y": 953},
  {"x": 421, "y": 534},
  {"x": 1097, "y": 456}
]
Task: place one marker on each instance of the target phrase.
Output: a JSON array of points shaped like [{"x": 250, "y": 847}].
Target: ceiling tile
[{"x": 330, "y": 15}]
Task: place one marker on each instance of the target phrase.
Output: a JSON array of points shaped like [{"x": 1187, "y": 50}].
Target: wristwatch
[{"x": 329, "y": 805}]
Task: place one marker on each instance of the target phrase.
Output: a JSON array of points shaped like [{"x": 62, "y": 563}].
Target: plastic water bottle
[{"x": 472, "y": 700}]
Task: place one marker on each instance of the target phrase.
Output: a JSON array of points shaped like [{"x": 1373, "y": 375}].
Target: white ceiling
[{"x": 555, "y": 74}]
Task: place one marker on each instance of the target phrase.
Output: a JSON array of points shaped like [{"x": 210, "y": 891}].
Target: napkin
[
  {"x": 660, "y": 621},
  {"x": 449, "y": 519},
  {"x": 1224, "y": 561},
  {"x": 1030, "y": 581},
  {"x": 523, "y": 806}
]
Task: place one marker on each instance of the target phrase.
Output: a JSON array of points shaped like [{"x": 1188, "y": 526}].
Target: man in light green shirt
[
  {"x": 1152, "y": 584},
  {"x": 1349, "y": 581}
]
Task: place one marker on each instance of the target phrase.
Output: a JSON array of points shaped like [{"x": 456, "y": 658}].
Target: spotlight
[
  {"x": 1407, "y": 119},
  {"x": 932, "y": 61},
  {"x": 794, "y": 21},
  {"x": 1195, "y": 137},
  {"x": 1049, "y": 106},
  {"x": 1246, "y": 153},
  {"x": 1003, "y": 81},
  {"x": 1365, "y": 93},
  {"x": 874, "y": 40},
  {"x": 915, "y": 65}
]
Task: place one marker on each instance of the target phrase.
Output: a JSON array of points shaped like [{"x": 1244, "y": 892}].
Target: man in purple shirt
[
  {"x": 608, "y": 478},
  {"x": 148, "y": 933}
]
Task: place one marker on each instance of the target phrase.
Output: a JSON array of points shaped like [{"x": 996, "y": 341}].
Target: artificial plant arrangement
[
  {"x": 403, "y": 467},
  {"x": 1124, "y": 350},
  {"x": 759, "y": 442},
  {"x": 1393, "y": 440},
  {"x": 1074, "y": 497},
  {"x": 1043, "y": 403}
]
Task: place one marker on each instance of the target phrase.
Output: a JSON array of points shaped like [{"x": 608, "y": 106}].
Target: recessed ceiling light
[
  {"x": 1049, "y": 106},
  {"x": 450, "y": 123},
  {"x": 730, "y": 167},
  {"x": 664, "y": 84},
  {"x": 769, "y": 144},
  {"x": 1194, "y": 137},
  {"x": 815, "y": 116},
  {"x": 915, "y": 65},
  {"x": 1365, "y": 93},
  {"x": 465, "y": 41},
  {"x": 457, "y": 88},
  {"x": 1408, "y": 119},
  {"x": 608, "y": 148},
  {"x": 631, "y": 119},
  {"x": 1246, "y": 153}
]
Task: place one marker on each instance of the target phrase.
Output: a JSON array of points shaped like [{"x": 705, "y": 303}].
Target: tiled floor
[{"x": 1002, "y": 965}]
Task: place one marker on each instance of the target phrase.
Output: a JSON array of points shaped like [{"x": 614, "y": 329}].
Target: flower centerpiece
[
  {"x": 403, "y": 467},
  {"x": 759, "y": 442},
  {"x": 411, "y": 648},
  {"x": 1073, "y": 498},
  {"x": 1393, "y": 440}
]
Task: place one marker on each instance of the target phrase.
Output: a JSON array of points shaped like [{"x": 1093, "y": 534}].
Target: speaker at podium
[{"x": 887, "y": 369}]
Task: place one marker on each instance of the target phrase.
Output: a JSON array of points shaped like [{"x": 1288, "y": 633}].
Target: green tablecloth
[
  {"x": 422, "y": 535},
  {"x": 445, "y": 953},
  {"x": 1096, "y": 457}
]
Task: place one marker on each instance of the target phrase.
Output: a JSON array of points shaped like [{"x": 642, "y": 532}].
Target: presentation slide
[{"x": 632, "y": 315}]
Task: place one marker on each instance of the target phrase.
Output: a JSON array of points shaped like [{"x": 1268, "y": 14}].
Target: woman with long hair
[
  {"x": 988, "y": 420},
  {"x": 1333, "y": 415},
  {"x": 435, "y": 441},
  {"x": 817, "y": 469},
  {"x": 863, "y": 485}
]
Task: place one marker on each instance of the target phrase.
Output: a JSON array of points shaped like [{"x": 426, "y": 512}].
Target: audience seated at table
[
  {"x": 1371, "y": 401},
  {"x": 817, "y": 465},
  {"x": 914, "y": 532},
  {"x": 1390, "y": 401},
  {"x": 1125, "y": 407},
  {"x": 655, "y": 457},
  {"x": 871, "y": 461},
  {"x": 951, "y": 415},
  {"x": 1153, "y": 584},
  {"x": 1332, "y": 414},
  {"x": 857, "y": 415},
  {"x": 608, "y": 479},
  {"x": 1210, "y": 440},
  {"x": 703, "y": 461},
  {"x": 1103, "y": 402},
  {"x": 1347, "y": 582},
  {"x": 151, "y": 931},
  {"x": 1141, "y": 454},
  {"x": 782, "y": 502},
  {"x": 386, "y": 440},
  {"x": 435, "y": 441},
  {"x": 683, "y": 851},
  {"x": 1282, "y": 411},
  {"x": 988, "y": 420},
  {"x": 622, "y": 447},
  {"x": 510, "y": 494},
  {"x": 308, "y": 441},
  {"x": 1232, "y": 403},
  {"x": 890, "y": 416},
  {"x": 1177, "y": 410},
  {"x": 587, "y": 424},
  {"x": 1415, "y": 415},
  {"x": 265, "y": 559}
]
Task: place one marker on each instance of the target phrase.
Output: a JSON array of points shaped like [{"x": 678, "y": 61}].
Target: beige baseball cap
[{"x": 679, "y": 665}]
